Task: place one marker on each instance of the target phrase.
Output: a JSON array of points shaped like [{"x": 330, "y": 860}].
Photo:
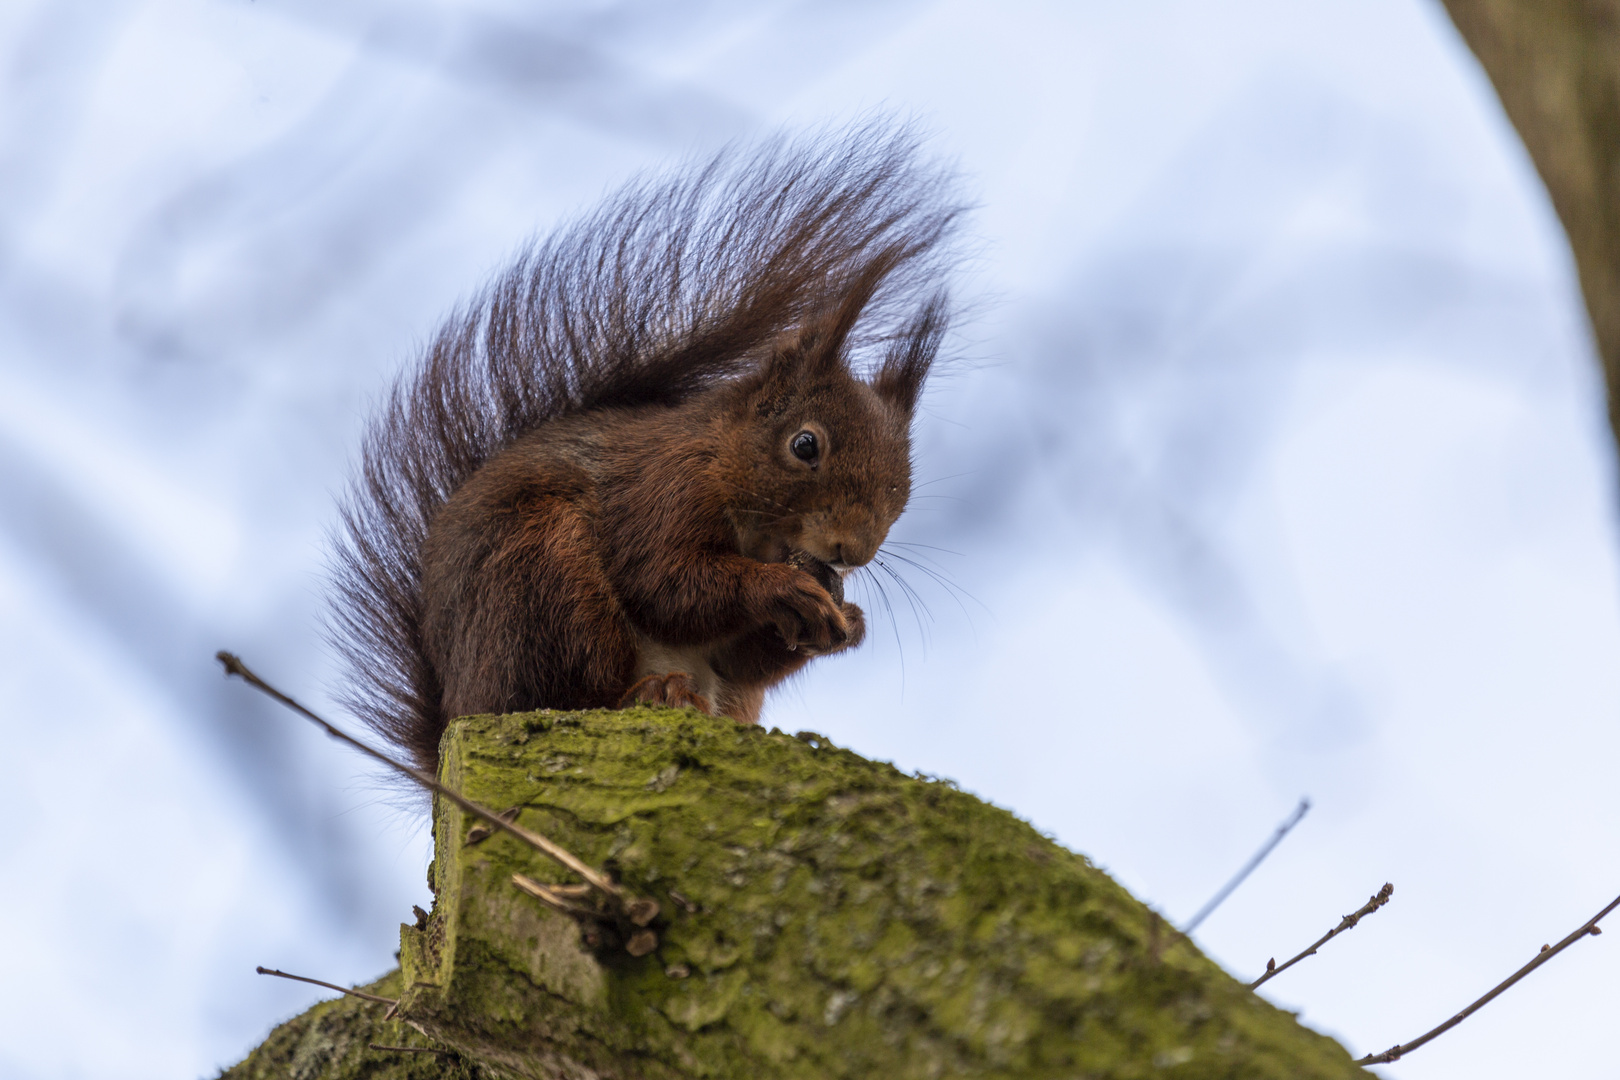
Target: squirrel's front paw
[
  {"x": 854, "y": 632},
  {"x": 805, "y": 614}
]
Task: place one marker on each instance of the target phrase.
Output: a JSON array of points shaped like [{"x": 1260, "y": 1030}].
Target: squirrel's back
[{"x": 674, "y": 289}]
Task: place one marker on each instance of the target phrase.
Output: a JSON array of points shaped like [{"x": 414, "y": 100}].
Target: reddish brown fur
[{"x": 587, "y": 494}]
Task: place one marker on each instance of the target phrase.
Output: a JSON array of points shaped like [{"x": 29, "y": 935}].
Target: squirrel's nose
[{"x": 853, "y": 551}]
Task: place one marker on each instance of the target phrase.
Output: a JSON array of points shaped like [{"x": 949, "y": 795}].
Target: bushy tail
[{"x": 669, "y": 286}]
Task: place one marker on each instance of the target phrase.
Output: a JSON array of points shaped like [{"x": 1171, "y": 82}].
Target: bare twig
[
  {"x": 1374, "y": 902},
  {"x": 1590, "y": 926},
  {"x": 234, "y": 666},
  {"x": 413, "y": 1050},
  {"x": 567, "y": 899},
  {"x": 1248, "y": 867},
  {"x": 554, "y": 897},
  {"x": 329, "y": 986}
]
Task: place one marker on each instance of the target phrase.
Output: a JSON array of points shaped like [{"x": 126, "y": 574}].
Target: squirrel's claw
[
  {"x": 854, "y": 633},
  {"x": 675, "y": 690}
]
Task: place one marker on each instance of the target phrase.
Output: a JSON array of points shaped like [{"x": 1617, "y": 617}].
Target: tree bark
[
  {"x": 821, "y": 916},
  {"x": 1556, "y": 67}
]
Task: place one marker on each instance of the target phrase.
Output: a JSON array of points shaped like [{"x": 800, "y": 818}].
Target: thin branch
[
  {"x": 329, "y": 986},
  {"x": 566, "y": 899},
  {"x": 553, "y": 897},
  {"x": 1374, "y": 902},
  {"x": 234, "y": 666},
  {"x": 1248, "y": 867},
  {"x": 1395, "y": 1052}
]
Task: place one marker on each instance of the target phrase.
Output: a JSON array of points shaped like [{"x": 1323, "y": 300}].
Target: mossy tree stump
[{"x": 822, "y": 916}]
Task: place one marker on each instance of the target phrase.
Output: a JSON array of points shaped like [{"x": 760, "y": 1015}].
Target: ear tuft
[
  {"x": 900, "y": 379},
  {"x": 817, "y": 345}
]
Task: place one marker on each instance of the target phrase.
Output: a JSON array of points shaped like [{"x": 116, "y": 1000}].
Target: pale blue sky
[{"x": 1275, "y": 465}]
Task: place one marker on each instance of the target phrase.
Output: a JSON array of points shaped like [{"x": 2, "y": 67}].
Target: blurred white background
[{"x": 1276, "y": 466}]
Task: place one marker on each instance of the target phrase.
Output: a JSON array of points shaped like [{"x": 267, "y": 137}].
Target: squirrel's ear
[
  {"x": 818, "y": 344},
  {"x": 905, "y": 367}
]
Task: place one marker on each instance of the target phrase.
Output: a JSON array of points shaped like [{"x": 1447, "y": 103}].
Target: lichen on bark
[{"x": 822, "y": 916}]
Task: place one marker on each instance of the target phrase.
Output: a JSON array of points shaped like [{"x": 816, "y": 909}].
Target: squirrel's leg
[
  {"x": 518, "y": 615},
  {"x": 743, "y": 703}
]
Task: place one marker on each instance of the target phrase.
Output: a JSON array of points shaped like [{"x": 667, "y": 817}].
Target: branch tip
[
  {"x": 1348, "y": 922},
  {"x": 1543, "y": 955},
  {"x": 391, "y": 1002},
  {"x": 234, "y": 666},
  {"x": 1248, "y": 868}
]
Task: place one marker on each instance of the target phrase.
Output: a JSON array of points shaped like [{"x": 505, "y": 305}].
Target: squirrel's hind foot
[{"x": 676, "y": 690}]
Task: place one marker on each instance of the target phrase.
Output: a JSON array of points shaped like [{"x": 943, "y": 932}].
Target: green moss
[{"x": 842, "y": 920}]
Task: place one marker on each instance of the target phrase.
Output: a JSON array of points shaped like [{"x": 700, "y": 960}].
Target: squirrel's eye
[{"x": 805, "y": 447}]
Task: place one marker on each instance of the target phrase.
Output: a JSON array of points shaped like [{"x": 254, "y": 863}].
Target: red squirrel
[{"x": 637, "y": 466}]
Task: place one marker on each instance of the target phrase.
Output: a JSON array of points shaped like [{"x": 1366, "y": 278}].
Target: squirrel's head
[{"x": 817, "y": 459}]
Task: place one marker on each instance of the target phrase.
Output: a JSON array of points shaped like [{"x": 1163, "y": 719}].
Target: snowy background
[{"x": 1275, "y": 467}]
